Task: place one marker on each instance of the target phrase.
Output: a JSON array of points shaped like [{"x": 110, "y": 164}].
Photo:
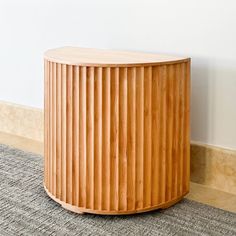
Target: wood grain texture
[
  {"x": 117, "y": 138},
  {"x": 91, "y": 57}
]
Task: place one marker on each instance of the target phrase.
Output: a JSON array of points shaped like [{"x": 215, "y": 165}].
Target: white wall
[{"x": 203, "y": 30}]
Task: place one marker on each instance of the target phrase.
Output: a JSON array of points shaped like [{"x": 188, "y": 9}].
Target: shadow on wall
[
  {"x": 213, "y": 117},
  {"x": 200, "y": 99},
  {"x": 200, "y": 122}
]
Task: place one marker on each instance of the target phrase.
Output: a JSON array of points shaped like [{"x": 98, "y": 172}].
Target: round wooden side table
[{"x": 116, "y": 130}]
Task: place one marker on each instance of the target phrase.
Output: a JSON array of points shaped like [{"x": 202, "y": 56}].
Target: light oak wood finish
[{"x": 116, "y": 130}]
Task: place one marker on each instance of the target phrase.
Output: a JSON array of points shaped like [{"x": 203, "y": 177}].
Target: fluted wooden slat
[
  {"x": 184, "y": 128},
  {"x": 187, "y": 127},
  {"x": 54, "y": 128},
  {"x": 51, "y": 129},
  {"x": 180, "y": 141},
  {"x": 156, "y": 167},
  {"x": 163, "y": 131},
  {"x": 98, "y": 138},
  {"x": 139, "y": 136},
  {"x": 114, "y": 197},
  {"x": 116, "y": 138},
  {"x": 147, "y": 136},
  {"x": 182, "y": 120},
  {"x": 106, "y": 139},
  {"x": 123, "y": 139},
  {"x": 82, "y": 137},
  {"x": 59, "y": 131},
  {"x": 49, "y": 124},
  {"x": 131, "y": 138},
  {"x": 69, "y": 143},
  {"x": 173, "y": 152},
  {"x": 176, "y": 137},
  {"x": 75, "y": 161},
  {"x": 46, "y": 107},
  {"x": 187, "y": 138},
  {"x": 169, "y": 140},
  {"x": 90, "y": 140},
  {"x": 63, "y": 134}
]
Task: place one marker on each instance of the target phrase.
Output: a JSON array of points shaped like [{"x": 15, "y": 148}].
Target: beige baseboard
[
  {"x": 214, "y": 167},
  {"x": 210, "y": 166},
  {"x": 21, "y": 120}
]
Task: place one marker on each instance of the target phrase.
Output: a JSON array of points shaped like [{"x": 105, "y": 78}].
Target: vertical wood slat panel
[
  {"x": 147, "y": 136},
  {"x": 173, "y": 139},
  {"x": 98, "y": 138},
  {"x": 163, "y": 131},
  {"x": 90, "y": 139},
  {"x": 176, "y": 135},
  {"x": 82, "y": 136},
  {"x": 54, "y": 128},
  {"x": 187, "y": 127},
  {"x": 117, "y": 139},
  {"x": 69, "y": 144},
  {"x": 131, "y": 138},
  {"x": 49, "y": 123},
  {"x": 123, "y": 139},
  {"x": 75, "y": 162},
  {"x": 64, "y": 131},
  {"x": 58, "y": 132},
  {"x": 169, "y": 144},
  {"x": 182, "y": 120},
  {"x": 139, "y": 136},
  {"x": 46, "y": 125},
  {"x": 51, "y": 129},
  {"x": 106, "y": 140},
  {"x": 156, "y": 138},
  {"x": 176, "y": 140},
  {"x": 178, "y": 129},
  {"x": 114, "y": 139}
]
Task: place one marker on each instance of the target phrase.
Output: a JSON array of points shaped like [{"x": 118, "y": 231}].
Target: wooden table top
[{"x": 112, "y": 58}]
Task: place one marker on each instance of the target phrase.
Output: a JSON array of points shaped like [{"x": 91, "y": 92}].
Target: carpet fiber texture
[{"x": 25, "y": 209}]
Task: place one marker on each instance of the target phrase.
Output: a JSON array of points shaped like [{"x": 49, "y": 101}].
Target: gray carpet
[{"x": 25, "y": 209}]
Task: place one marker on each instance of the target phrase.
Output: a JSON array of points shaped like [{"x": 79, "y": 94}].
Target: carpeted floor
[{"x": 25, "y": 209}]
